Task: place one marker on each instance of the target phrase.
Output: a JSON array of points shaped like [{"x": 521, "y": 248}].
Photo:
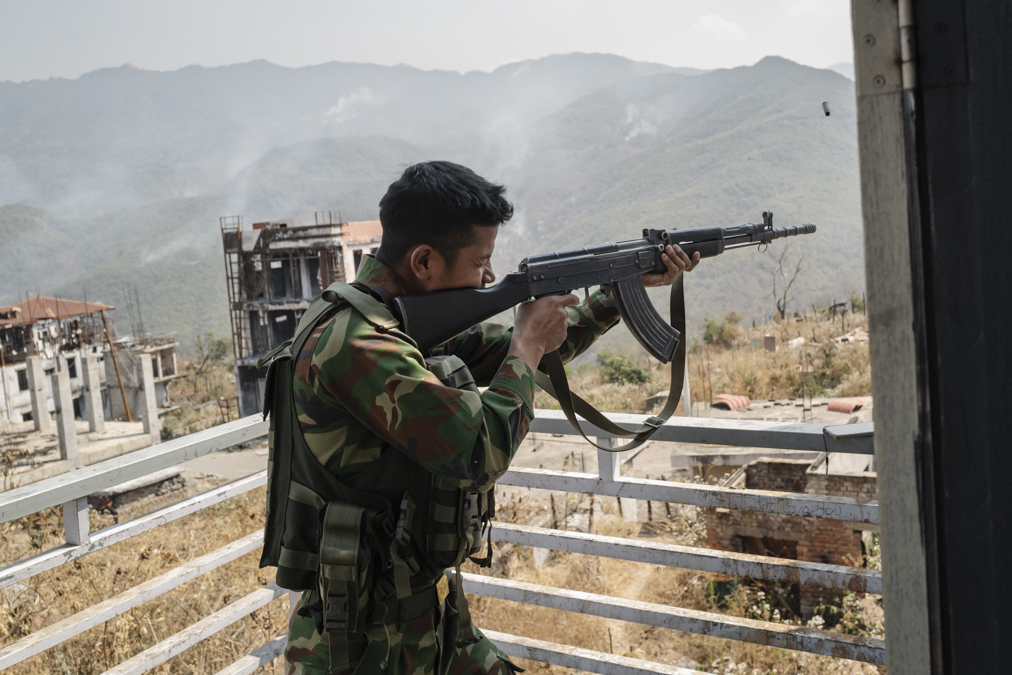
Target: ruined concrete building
[
  {"x": 273, "y": 272},
  {"x": 43, "y": 335},
  {"x": 833, "y": 542}
]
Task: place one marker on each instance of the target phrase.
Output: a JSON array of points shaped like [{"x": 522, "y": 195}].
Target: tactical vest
[{"x": 357, "y": 544}]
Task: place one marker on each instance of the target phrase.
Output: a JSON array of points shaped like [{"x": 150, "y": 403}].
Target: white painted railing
[{"x": 71, "y": 490}]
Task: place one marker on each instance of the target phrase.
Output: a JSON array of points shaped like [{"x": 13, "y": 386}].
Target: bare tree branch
[{"x": 783, "y": 278}]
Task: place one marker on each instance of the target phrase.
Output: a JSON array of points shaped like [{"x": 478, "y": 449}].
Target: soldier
[{"x": 404, "y": 449}]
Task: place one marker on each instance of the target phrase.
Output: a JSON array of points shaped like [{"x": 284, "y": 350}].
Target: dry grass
[
  {"x": 60, "y": 593},
  {"x": 818, "y": 368},
  {"x": 205, "y": 399}
]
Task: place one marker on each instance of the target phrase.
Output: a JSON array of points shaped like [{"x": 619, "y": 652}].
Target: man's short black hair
[{"x": 437, "y": 203}]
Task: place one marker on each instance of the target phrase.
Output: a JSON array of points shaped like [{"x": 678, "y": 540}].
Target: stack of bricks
[{"x": 815, "y": 539}]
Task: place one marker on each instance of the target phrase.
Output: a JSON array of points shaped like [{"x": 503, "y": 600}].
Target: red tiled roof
[{"x": 42, "y": 307}]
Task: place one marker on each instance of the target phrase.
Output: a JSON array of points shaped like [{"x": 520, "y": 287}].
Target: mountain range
[{"x": 117, "y": 179}]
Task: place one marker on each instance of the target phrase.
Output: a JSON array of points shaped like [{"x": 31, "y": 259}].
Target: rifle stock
[{"x": 433, "y": 318}]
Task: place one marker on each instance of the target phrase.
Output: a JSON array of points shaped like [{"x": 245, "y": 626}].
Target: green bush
[
  {"x": 619, "y": 369},
  {"x": 721, "y": 333}
]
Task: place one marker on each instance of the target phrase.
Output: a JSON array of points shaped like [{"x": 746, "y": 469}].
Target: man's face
[{"x": 472, "y": 268}]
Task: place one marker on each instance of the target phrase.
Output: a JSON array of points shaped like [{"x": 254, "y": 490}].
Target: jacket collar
[{"x": 380, "y": 279}]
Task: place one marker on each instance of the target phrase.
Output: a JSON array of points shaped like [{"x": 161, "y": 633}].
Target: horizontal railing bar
[
  {"x": 81, "y": 482},
  {"x": 95, "y": 615},
  {"x": 579, "y": 659},
  {"x": 785, "y": 636},
  {"x": 29, "y": 499},
  {"x": 158, "y": 654},
  {"x": 715, "y": 431},
  {"x": 854, "y": 579},
  {"x": 120, "y": 532},
  {"x": 258, "y": 658},
  {"x": 706, "y": 496}
]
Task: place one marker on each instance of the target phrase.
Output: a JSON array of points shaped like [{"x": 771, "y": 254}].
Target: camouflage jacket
[{"x": 358, "y": 391}]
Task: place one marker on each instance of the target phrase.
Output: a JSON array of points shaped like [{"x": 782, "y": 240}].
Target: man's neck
[{"x": 402, "y": 271}]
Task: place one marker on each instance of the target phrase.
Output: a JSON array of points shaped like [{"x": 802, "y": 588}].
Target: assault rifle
[{"x": 433, "y": 318}]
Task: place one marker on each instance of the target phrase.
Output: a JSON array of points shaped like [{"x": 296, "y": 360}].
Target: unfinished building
[
  {"x": 45, "y": 335},
  {"x": 273, "y": 272},
  {"x": 59, "y": 333}
]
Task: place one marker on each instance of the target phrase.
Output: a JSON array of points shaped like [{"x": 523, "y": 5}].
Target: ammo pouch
[
  {"x": 357, "y": 546},
  {"x": 344, "y": 568}
]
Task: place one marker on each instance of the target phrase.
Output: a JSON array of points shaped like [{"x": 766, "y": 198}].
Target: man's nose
[{"x": 488, "y": 276}]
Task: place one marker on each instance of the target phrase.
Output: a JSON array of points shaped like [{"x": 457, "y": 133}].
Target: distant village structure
[
  {"x": 273, "y": 272},
  {"x": 833, "y": 542},
  {"x": 55, "y": 353}
]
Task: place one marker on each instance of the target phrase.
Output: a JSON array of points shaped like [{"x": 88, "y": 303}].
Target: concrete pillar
[
  {"x": 92, "y": 393},
  {"x": 37, "y": 388},
  {"x": 306, "y": 282},
  {"x": 686, "y": 394},
  {"x": 149, "y": 400},
  {"x": 65, "y": 417},
  {"x": 349, "y": 264},
  {"x": 116, "y": 411},
  {"x": 609, "y": 469}
]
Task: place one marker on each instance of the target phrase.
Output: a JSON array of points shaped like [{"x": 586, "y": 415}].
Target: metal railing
[{"x": 72, "y": 489}]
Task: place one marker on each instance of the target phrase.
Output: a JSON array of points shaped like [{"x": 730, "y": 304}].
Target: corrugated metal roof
[{"x": 42, "y": 307}]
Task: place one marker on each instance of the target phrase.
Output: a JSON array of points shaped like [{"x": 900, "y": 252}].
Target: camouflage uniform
[{"x": 359, "y": 391}]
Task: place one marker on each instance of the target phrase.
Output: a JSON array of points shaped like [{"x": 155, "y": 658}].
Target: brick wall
[{"x": 818, "y": 540}]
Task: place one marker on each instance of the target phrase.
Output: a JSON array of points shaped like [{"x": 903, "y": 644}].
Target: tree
[
  {"x": 721, "y": 333},
  {"x": 209, "y": 351},
  {"x": 619, "y": 369},
  {"x": 783, "y": 279}
]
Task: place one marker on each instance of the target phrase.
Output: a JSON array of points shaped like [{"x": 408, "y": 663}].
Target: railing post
[
  {"x": 93, "y": 394},
  {"x": 686, "y": 394},
  {"x": 65, "y": 429},
  {"x": 37, "y": 388},
  {"x": 149, "y": 411},
  {"x": 608, "y": 469},
  {"x": 76, "y": 526}
]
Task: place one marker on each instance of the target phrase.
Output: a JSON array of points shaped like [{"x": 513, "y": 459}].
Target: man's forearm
[{"x": 527, "y": 351}]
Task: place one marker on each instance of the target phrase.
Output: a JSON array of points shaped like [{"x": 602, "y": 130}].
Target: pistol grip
[{"x": 642, "y": 319}]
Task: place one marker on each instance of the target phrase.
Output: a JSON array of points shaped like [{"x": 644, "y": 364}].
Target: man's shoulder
[{"x": 348, "y": 336}]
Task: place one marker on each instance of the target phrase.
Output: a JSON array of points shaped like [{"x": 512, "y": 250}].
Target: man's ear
[{"x": 420, "y": 262}]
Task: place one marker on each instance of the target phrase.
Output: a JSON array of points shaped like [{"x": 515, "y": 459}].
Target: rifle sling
[{"x": 556, "y": 385}]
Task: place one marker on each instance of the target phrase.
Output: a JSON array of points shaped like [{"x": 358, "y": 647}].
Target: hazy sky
[{"x": 65, "y": 38}]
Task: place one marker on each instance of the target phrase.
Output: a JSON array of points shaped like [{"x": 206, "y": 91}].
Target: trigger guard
[{"x": 642, "y": 320}]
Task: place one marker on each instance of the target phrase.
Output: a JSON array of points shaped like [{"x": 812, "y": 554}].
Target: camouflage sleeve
[
  {"x": 484, "y": 347},
  {"x": 588, "y": 322},
  {"x": 463, "y": 437}
]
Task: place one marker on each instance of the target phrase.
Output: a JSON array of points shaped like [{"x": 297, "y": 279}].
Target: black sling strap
[{"x": 556, "y": 385}]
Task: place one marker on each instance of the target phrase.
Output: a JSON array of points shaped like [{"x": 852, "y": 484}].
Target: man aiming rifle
[{"x": 383, "y": 456}]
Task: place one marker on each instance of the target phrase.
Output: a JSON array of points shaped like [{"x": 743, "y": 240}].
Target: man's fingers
[
  {"x": 569, "y": 300},
  {"x": 695, "y": 261},
  {"x": 683, "y": 259},
  {"x": 670, "y": 263}
]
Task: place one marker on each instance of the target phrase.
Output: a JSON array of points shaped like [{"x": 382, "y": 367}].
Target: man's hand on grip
[
  {"x": 541, "y": 327},
  {"x": 676, "y": 261}
]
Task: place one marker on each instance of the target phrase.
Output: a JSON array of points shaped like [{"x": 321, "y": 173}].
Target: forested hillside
[{"x": 118, "y": 178}]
